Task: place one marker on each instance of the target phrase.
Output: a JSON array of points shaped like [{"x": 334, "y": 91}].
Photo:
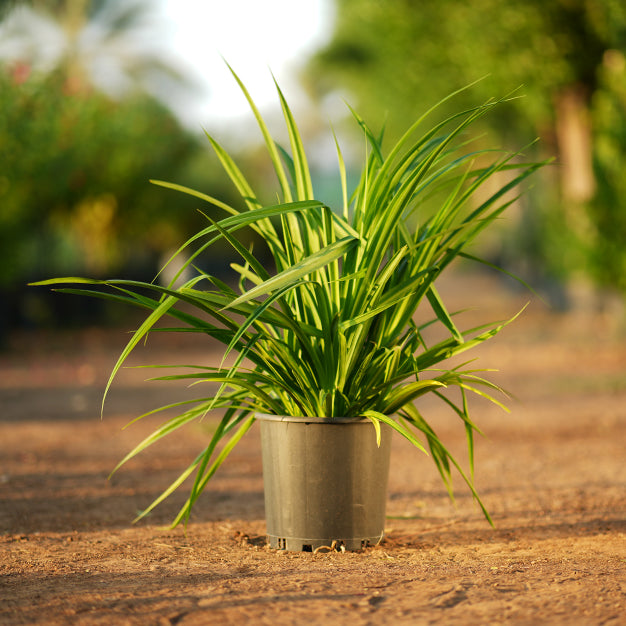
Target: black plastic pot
[{"x": 325, "y": 482}]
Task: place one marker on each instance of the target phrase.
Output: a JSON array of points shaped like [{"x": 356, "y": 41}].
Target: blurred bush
[
  {"x": 76, "y": 158},
  {"x": 74, "y": 190},
  {"x": 74, "y": 184}
]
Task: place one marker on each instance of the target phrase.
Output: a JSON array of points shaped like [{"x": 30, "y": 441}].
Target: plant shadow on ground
[
  {"x": 507, "y": 534},
  {"x": 144, "y": 594},
  {"x": 88, "y": 500}
]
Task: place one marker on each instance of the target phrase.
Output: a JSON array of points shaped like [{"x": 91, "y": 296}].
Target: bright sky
[{"x": 254, "y": 36}]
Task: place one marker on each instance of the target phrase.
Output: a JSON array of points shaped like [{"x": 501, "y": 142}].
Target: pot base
[{"x": 296, "y": 544}]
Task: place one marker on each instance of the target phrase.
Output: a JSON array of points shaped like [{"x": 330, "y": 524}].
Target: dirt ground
[{"x": 551, "y": 473}]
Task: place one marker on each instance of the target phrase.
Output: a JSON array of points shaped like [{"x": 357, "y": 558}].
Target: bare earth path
[{"x": 552, "y": 473}]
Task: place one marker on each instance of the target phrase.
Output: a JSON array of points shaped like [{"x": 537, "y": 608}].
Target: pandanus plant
[{"x": 331, "y": 331}]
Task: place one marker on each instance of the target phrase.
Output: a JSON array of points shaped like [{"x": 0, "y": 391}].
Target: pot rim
[{"x": 265, "y": 417}]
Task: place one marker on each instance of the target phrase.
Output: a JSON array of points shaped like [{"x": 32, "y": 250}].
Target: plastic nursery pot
[{"x": 325, "y": 482}]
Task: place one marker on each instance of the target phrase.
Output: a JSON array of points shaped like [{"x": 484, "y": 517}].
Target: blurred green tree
[
  {"x": 80, "y": 137},
  {"x": 568, "y": 55},
  {"x": 74, "y": 191}
]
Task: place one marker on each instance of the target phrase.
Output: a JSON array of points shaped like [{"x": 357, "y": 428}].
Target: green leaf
[
  {"x": 204, "y": 476},
  {"x": 442, "y": 314},
  {"x": 409, "y": 392},
  {"x": 407, "y": 434},
  {"x": 376, "y": 422},
  {"x": 298, "y": 271}
]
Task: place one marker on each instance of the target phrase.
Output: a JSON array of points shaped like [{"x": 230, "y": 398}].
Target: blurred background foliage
[
  {"x": 77, "y": 154},
  {"x": 83, "y": 127},
  {"x": 74, "y": 182},
  {"x": 395, "y": 59}
]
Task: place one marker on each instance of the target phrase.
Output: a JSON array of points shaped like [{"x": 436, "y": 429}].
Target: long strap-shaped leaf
[
  {"x": 298, "y": 271},
  {"x": 204, "y": 477},
  {"x": 407, "y": 434},
  {"x": 269, "y": 141}
]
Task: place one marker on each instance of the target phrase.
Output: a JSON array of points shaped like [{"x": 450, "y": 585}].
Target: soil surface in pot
[{"x": 551, "y": 472}]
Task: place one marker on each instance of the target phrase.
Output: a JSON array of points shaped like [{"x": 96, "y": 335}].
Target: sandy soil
[{"x": 551, "y": 473}]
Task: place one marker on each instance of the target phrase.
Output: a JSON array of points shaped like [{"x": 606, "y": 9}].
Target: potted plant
[{"x": 329, "y": 356}]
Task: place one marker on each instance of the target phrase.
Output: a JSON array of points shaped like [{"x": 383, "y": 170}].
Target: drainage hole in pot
[
  {"x": 365, "y": 543},
  {"x": 307, "y": 547},
  {"x": 282, "y": 543}
]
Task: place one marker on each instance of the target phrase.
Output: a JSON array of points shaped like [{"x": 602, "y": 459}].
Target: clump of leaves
[{"x": 331, "y": 332}]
